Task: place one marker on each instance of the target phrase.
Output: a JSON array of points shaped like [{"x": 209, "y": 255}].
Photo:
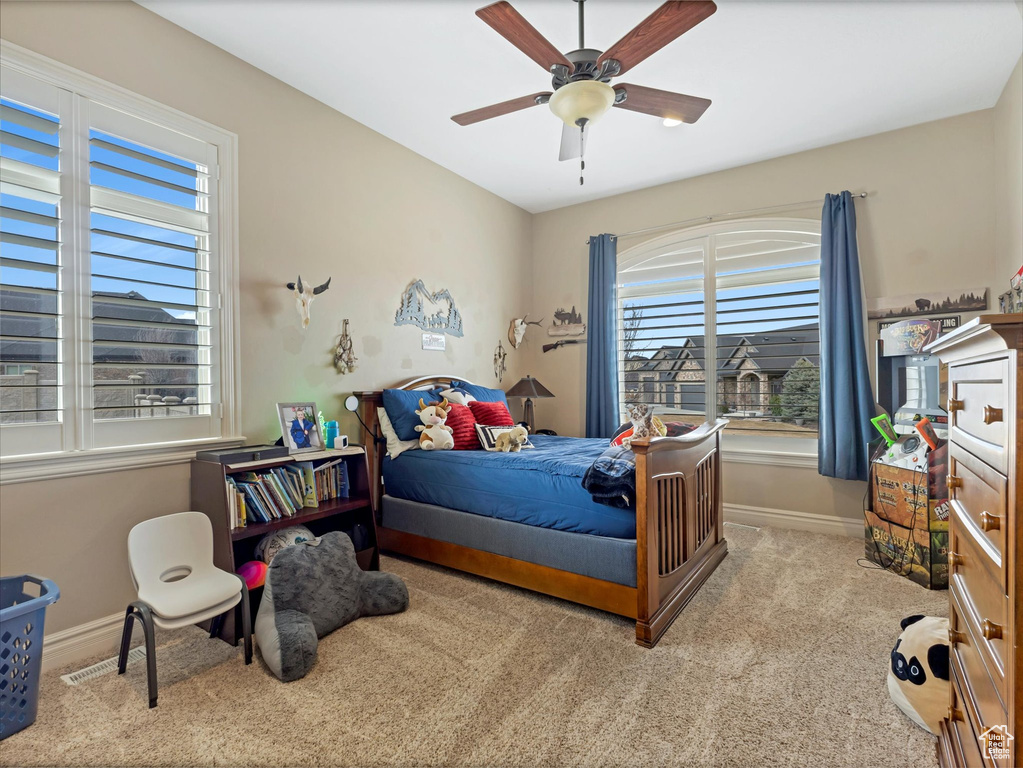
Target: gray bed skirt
[{"x": 600, "y": 557}]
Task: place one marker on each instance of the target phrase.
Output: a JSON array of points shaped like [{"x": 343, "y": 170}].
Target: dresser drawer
[
  {"x": 979, "y": 496},
  {"x": 978, "y": 409},
  {"x": 963, "y": 739},
  {"x": 979, "y": 611}
]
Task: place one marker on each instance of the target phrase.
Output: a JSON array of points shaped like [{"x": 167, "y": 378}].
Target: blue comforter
[{"x": 541, "y": 486}]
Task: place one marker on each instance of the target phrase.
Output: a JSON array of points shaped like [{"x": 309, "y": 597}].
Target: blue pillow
[
  {"x": 483, "y": 394},
  {"x": 401, "y": 406}
]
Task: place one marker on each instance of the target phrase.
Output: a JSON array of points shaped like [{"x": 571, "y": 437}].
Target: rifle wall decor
[{"x": 562, "y": 343}]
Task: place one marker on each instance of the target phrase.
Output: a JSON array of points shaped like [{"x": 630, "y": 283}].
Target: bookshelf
[{"x": 234, "y": 546}]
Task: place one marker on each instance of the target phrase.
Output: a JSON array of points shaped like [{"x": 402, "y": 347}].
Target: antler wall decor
[{"x": 304, "y": 296}]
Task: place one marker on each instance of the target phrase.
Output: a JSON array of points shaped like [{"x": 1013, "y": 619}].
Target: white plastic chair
[{"x": 171, "y": 561}]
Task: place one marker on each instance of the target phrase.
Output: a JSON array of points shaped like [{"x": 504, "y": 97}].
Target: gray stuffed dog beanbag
[{"x": 312, "y": 589}]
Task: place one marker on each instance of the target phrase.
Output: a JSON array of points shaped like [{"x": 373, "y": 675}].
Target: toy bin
[{"x": 21, "y": 649}]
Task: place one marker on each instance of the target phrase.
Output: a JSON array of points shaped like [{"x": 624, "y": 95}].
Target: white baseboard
[
  {"x": 82, "y": 642},
  {"x": 787, "y": 518}
]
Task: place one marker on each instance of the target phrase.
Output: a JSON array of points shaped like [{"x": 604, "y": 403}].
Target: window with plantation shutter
[
  {"x": 31, "y": 262},
  {"x": 116, "y": 329},
  {"x": 150, "y": 275},
  {"x": 722, "y": 321}
]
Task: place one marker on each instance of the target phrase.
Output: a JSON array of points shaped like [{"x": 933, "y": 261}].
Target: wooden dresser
[{"x": 985, "y": 404}]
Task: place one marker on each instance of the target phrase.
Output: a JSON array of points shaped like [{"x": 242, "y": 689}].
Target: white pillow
[{"x": 395, "y": 447}]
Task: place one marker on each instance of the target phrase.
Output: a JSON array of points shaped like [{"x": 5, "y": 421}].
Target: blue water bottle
[{"x": 330, "y": 433}]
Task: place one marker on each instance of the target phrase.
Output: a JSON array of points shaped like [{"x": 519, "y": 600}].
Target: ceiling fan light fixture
[
  {"x": 671, "y": 122},
  {"x": 582, "y": 100}
]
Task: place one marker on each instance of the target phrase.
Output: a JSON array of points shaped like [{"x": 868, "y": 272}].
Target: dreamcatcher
[{"x": 345, "y": 360}]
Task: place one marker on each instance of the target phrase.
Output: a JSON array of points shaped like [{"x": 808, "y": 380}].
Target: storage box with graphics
[
  {"x": 907, "y": 521},
  {"x": 919, "y": 554}
]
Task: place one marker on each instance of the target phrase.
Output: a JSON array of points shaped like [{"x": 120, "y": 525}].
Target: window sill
[
  {"x": 768, "y": 451},
  {"x": 51, "y": 466},
  {"x": 770, "y": 458}
]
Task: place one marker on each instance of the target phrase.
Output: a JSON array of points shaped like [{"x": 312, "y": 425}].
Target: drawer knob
[
  {"x": 954, "y": 405},
  {"x": 953, "y": 482},
  {"x": 989, "y": 522},
  {"x": 990, "y": 630},
  {"x": 955, "y": 636},
  {"x": 992, "y": 414},
  {"x": 955, "y": 560},
  {"x": 954, "y": 714}
]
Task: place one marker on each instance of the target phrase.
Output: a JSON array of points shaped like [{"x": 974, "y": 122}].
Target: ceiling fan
[{"x": 582, "y": 94}]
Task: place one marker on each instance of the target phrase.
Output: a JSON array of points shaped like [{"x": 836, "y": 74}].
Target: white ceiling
[{"x": 783, "y": 77}]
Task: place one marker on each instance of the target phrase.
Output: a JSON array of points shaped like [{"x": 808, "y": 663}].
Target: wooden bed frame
[{"x": 679, "y": 536}]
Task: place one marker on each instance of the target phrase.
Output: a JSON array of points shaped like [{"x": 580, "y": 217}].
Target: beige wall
[
  {"x": 928, "y": 224},
  {"x": 324, "y": 195},
  {"x": 318, "y": 194},
  {"x": 1008, "y": 126}
]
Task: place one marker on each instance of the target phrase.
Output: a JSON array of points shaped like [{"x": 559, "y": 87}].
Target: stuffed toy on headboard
[{"x": 918, "y": 673}]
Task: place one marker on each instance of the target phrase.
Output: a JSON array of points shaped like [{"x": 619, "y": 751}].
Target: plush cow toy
[
  {"x": 434, "y": 434},
  {"x": 918, "y": 675}
]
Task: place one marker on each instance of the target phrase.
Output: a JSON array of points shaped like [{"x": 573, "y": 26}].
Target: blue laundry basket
[{"x": 21, "y": 649}]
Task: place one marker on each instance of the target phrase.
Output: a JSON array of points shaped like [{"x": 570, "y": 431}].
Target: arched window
[{"x": 729, "y": 308}]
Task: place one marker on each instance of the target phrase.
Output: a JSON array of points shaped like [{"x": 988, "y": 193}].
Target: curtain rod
[{"x": 716, "y": 216}]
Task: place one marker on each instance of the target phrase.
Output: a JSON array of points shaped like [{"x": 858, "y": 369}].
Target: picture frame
[{"x": 298, "y": 437}]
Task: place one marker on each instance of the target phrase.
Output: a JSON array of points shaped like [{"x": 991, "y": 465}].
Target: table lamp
[{"x": 528, "y": 387}]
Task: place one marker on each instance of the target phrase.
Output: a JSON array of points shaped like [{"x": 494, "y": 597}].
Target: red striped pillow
[
  {"x": 492, "y": 414},
  {"x": 463, "y": 428}
]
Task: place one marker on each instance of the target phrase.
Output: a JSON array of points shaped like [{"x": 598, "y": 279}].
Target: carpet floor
[{"x": 779, "y": 660}]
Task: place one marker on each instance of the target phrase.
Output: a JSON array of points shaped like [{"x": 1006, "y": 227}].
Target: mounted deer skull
[
  {"x": 304, "y": 297},
  {"x": 517, "y": 329}
]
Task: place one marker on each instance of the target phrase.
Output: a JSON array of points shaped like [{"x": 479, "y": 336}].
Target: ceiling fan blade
[
  {"x": 573, "y": 142},
  {"x": 510, "y": 24},
  {"x": 651, "y": 101},
  {"x": 674, "y": 18},
  {"x": 496, "y": 110}
]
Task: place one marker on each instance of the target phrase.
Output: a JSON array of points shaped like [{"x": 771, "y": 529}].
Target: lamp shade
[
  {"x": 582, "y": 100},
  {"x": 529, "y": 387}
]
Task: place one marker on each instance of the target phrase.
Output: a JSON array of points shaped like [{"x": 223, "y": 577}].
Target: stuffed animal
[
  {"x": 457, "y": 396},
  {"x": 512, "y": 440},
  {"x": 311, "y": 589},
  {"x": 918, "y": 675},
  {"x": 642, "y": 416},
  {"x": 434, "y": 435}
]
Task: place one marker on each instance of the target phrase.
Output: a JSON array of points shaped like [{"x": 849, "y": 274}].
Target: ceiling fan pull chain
[{"x": 582, "y": 140}]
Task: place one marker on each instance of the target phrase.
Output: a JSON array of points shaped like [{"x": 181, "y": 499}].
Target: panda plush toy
[{"x": 918, "y": 675}]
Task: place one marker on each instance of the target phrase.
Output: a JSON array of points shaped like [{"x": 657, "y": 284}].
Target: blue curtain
[
  {"x": 847, "y": 403},
  {"x": 602, "y": 341}
]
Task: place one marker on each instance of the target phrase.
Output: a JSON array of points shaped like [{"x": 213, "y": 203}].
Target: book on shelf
[
  {"x": 237, "y": 505},
  {"x": 275, "y": 493}
]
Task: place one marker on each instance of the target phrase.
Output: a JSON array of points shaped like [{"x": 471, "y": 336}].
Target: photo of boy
[{"x": 299, "y": 427}]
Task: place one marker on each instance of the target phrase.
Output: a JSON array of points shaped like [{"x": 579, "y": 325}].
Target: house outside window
[
  {"x": 117, "y": 267},
  {"x": 722, "y": 321}
]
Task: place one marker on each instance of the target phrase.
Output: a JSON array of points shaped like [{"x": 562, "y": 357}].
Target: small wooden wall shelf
[{"x": 234, "y": 546}]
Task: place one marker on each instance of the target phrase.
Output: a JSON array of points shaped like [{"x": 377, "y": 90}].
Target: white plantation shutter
[
  {"x": 32, "y": 324},
  {"x": 767, "y": 332},
  {"x": 115, "y": 330},
  {"x": 747, "y": 348},
  {"x": 662, "y": 316},
  {"x": 151, "y": 264}
]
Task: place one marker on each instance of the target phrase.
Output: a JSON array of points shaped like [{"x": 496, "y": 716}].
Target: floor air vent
[{"x": 103, "y": 668}]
